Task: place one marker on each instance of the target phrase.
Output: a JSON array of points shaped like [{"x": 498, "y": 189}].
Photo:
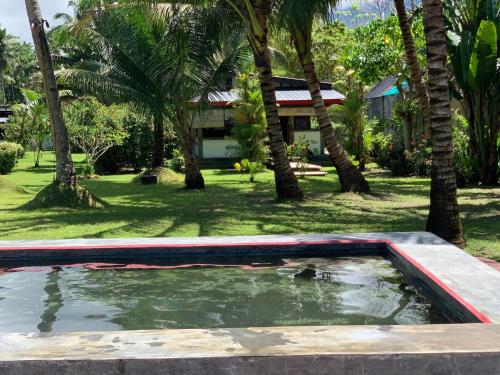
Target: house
[
  {"x": 5, "y": 112},
  {"x": 295, "y": 109},
  {"x": 382, "y": 97}
]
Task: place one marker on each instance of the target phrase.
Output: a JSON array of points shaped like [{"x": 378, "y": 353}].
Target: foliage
[
  {"x": 466, "y": 167},
  {"x": 136, "y": 149},
  {"x": 419, "y": 160},
  {"x": 17, "y": 64},
  {"x": 330, "y": 40},
  {"x": 10, "y": 153},
  {"x": 298, "y": 152},
  {"x": 377, "y": 49},
  {"x": 380, "y": 149},
  {"x": 473, "y": 29},
  {"x": 176, "y": 162},
  {"x": 249, "y": 117},
  {"x": 30, "y": 124},
  {"x": 405, "y": 114},
  {"x": 250, "y": 167},
  {"x": 352, "y": 115},
  {"x": 94, "y": 128}
]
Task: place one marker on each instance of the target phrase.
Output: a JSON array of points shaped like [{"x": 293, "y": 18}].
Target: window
[
  {"x": 302, "y": 123},
  {"x": 220, "y": 133}
]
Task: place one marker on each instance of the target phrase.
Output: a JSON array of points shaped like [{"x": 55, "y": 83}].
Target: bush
[
  {"x": 250, "y": 167},
  {"x": 380, "y": 149},
  {"x": 420, "y": 159},
  {"x": 466, "y": 167},
  {"x": 10, "y": 153},
  {"x": 136, "y": 150},
  {"x": 176, "y": 163}
]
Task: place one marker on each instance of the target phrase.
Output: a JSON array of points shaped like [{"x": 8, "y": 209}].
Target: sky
[{"x": 13, "y": 15}]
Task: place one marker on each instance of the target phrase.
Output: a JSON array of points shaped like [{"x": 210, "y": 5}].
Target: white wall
[
  {"x": 218, "y": 148},
  {"x": 313, "y": 136}
]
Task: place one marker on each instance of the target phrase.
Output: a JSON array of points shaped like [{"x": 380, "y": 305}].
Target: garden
[{"x": 250, "y": 186}]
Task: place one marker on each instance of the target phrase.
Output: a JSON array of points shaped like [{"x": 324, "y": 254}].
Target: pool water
[{"x": 299, "y": 291}]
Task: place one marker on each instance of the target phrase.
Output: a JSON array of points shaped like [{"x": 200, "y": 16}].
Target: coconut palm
[
  {"x": 299, "y": 16},
  {"x": 65, "y": 172},
  {"x": 3, "y": 62},
  {"x": 160, "y": 59},
  {"x": 444, "y": 217},
  {"x": 412, "y": 61},
  {"x": 253, "y": 17}
]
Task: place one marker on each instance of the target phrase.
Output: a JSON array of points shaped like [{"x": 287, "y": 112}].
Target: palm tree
[
  {"x": 254, "y": 16},
  {"x": 65, "y": 171},
  {"x": 3, "y": 63},
  {"x": 159, "y": 59},
  {"x": 444, "y": 217},
  {"x": 412, "y": 61},
  {"x": 299, "y": 16}
]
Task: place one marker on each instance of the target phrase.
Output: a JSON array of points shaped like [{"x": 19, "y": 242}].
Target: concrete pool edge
[{"x": 387, "y": 350}]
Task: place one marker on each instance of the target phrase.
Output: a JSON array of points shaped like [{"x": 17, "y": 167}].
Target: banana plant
[{"x": 474, "y": 47}]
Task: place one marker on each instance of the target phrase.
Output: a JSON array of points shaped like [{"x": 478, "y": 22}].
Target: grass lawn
[{"x": 232, "y": 206}]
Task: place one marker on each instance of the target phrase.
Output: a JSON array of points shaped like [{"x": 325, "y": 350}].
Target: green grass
[{"x": 232, "y": 206}]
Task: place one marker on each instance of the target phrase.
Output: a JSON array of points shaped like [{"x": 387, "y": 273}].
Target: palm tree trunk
[
  {"x": 351, "y": 179},
  {"x": 158, "y": 142},
  {"x": 411, "y": 59},
  {"x": 444, "y": 217},
  {"x": 65, "y": 172},
  {"x": 193, "y": 178},
  {"x": 2, "y": 88},
  {"x": 257, "y": 13}
]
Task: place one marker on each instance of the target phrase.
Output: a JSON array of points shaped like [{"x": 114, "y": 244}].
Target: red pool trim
[{"x": 476, "y": 313}]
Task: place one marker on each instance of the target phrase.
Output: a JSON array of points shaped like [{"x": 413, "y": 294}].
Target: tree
[
  {"x": 412, "y": 61},
  {"x": 3, "y": 63},
  {"x": 444, "y": 216},
  {"x": 377, "y": 49},
  {"x": 249, "y": 116},
  {"x": 474, "y": 46},
  {"x": 30, "y": 125},
  {"x": 255, "y": 16},
  {"x": 65, "y": 172},
  {"x": 299, "y": 17},
  {"x": 94, "y": 128},
  {"x": 17, "y": 64},
  {"x": 160, "y": 59}
]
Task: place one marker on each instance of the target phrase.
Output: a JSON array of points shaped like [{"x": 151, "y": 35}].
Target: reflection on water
[{"x": 312, "y": 291}]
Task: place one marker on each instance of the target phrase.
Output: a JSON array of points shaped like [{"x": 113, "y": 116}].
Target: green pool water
[{"x": 301, "y": 291}]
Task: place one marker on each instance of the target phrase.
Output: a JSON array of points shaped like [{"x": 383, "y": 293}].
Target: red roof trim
[{"x": 283, "y": 103}]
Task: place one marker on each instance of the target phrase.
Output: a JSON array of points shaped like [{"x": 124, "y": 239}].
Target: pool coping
[{"x": 472, "y": 283}]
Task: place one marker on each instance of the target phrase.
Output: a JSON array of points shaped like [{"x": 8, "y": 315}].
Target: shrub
[
  {"x": 249, "y": 115},
  {"x": 9, "y": 154},
  {"x": 466, "y": 167},
  {"x": 176, "y": 163},
  {"x": 298, "y": 152},
  {"x": 380, "y": 149},
  {"x": 250, "y": 167},
  {"x": 420, "y": 159},
  {"x": 135, "y": 151}
]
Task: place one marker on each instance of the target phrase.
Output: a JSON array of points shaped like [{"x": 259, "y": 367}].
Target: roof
[
  {"x": 386, "y": 87},
  {"x": 283, "y": 97},
  {"x": 290, "y": 83}
]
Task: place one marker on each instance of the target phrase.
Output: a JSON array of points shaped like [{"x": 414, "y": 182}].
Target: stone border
[{"x": 453, "y": 348}]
